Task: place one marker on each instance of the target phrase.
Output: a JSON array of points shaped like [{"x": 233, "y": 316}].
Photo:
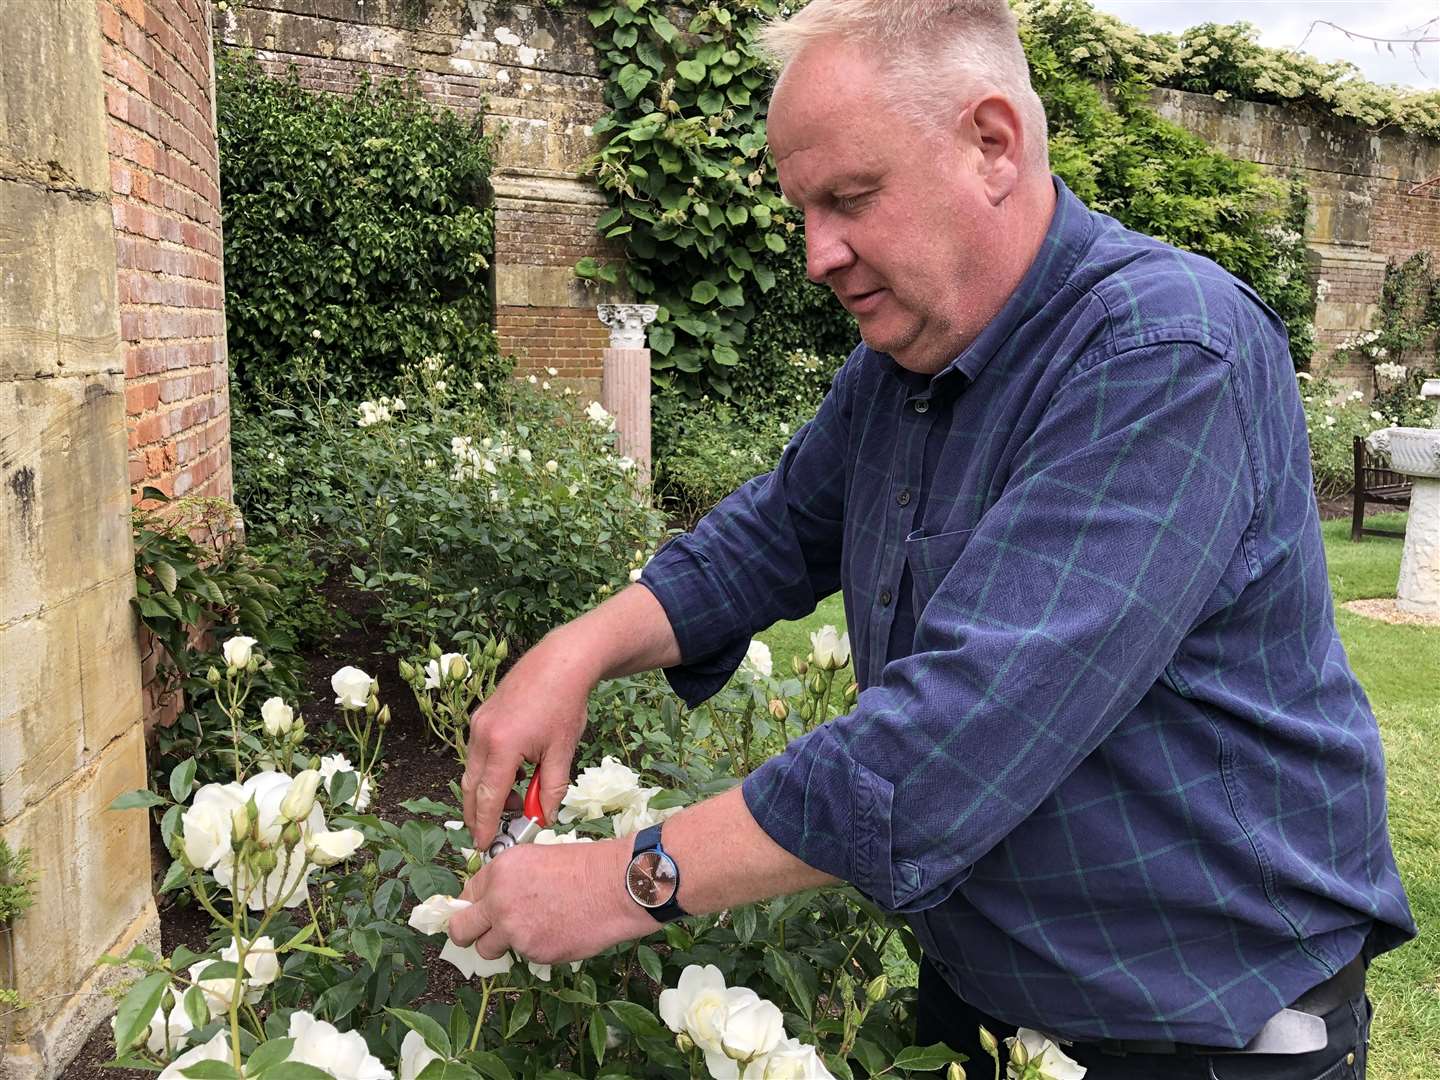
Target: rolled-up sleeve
[
  {"x": 768, "y": 551},
  {"x": 1124, "y": 519}
]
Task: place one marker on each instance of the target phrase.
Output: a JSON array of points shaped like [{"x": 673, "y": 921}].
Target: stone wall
[
  {"x": 533, "y": 69},
  {"x": 165, "y": 199},
  {"x": 71, "y": 736},
  {"x": 1362, "y": 212}
]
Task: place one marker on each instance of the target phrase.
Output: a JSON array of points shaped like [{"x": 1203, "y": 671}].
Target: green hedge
[{"x": 358, "y": 234}]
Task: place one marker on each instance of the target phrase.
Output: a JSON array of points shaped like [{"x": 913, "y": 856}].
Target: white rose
[
  {"x": 831, "y": 649},
  {"x": 552, "y": 466},
  {"x": 602, "y": 789},
  {"x": 550, "y": 836},
  {"x": 639, "y": 815},
  {"x": 753, "y": 1026},
  {"x": 352, "y": 687},
  {"x": 218, "y": 993},
  {"x": 343, "y": 1056},
  {"x": 328, "y": 848},
  {"x": 439, "y": 672},
  {"x": 433, "y": 915},
  {"x": 167, "y": 1033},
  {"x": 333, "y": 764},
  {"x": 757, "y": 660},
  {"x": 636, "y": 574},
  {"x": 790, "y": 1060},
  {"x": 205, "y": 826},
  {"x": 415, "y": 1055},
  {"x": 238, "y": 650},
  {"x": 470, "y": 963},
  {"x": 598, "y": 414},
  {"x": 262, "y": 965},
  {"x": 697, "y": 1005},
  {"x": 217, "y": 1049},
  {"x": 299, "y": 798},
  {"x": 277, "y": 717},
  {"x": 1051, "y": 1060}
]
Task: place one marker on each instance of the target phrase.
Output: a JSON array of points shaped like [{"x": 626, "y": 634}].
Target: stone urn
[{"x": 1416, "y": 453}]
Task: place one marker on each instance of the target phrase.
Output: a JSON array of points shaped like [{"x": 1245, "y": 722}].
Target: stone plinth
[
  {"x": 71, "y": 736},
  {"x": 625, "y": 389},
  {"x": 1416, "y": 453}
]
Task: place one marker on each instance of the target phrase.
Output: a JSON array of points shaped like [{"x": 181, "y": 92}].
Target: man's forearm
[{"x": 630, "y": 632}]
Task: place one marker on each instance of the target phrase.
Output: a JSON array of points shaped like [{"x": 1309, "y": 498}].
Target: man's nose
[{"x": 826, "y": 249}]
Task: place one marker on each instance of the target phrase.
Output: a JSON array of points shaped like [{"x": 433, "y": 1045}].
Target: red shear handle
[{"x": 532, "y": 800}]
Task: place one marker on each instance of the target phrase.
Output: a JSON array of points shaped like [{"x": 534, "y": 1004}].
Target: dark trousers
[{"x": 943, "y": 1016}]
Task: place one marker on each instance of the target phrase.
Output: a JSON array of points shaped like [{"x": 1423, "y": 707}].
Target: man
[{"x": 1108, "y": 758}]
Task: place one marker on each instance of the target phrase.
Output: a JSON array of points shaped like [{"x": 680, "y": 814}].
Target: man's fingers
[
  {"x": 492, "y": 944},
  {"x": 495, "y": 784},
  {"x": 467, "y": 925},
  {"x": 554, "y": 778}
]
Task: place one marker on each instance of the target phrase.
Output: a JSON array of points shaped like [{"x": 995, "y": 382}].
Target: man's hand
[
  {"x": 537, "y": 713},
  {"x": 551, "y": 903}
]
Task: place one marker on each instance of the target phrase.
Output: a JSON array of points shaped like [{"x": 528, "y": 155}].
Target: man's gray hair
[{"x": 936, "y": 54}]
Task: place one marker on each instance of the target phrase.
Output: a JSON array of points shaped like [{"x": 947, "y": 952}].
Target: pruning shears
[{"x": 523, "y": 827}]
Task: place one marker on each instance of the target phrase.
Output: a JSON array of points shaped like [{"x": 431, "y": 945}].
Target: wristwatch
[{"x": 652, "y": 879}]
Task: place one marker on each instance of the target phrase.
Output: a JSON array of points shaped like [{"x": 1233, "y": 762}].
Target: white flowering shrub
[
  {"x": 329, "y": 922},
  {"x": 1334, "y": 415},
  {"x": 468, "y": 512}
]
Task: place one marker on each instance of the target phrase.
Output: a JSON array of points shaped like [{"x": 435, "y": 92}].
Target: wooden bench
[{"x": 1374, "y": 484}]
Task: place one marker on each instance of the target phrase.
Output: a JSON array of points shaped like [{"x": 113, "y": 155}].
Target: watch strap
[{"x": 648, "y": 839}]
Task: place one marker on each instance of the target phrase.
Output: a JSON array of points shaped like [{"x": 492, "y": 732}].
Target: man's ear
[{"x": 991, "y": 127}]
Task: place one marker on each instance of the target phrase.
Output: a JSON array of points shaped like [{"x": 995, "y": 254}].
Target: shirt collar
[{"x": 1065, "y": 241}]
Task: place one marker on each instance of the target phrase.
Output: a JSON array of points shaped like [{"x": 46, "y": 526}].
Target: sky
[{"x": 1283, "y": 24}]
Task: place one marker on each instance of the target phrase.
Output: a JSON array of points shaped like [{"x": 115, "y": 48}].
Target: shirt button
[
  {"x": 922, "y": 406},
  {"x": 904, "y": 497},
  {"x": 885, "y": 598}
]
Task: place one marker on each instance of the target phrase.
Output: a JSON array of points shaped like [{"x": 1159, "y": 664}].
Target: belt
[{"x": 1298, "y": 1029}]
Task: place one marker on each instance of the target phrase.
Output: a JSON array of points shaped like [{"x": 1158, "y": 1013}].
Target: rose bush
[{"x": 327, "y": 918}]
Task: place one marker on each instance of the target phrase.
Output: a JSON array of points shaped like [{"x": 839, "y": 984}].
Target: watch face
[{"x": 651, "y": 879}]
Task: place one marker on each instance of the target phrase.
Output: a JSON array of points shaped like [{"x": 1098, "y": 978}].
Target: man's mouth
[{"x": 862, "y": 303}]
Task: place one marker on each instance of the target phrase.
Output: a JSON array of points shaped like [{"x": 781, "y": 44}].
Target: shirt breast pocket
[{"x": 930, "y": 558}]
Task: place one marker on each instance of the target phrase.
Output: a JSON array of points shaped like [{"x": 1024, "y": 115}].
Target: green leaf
[
  {"x": 736, "y": 214},
  {"x": 597, "y": 1036},
  {"x": 430, "y": 1030},
  {"x": 136, "y": 800},
  {"x": 182, "y": 778},
  {"x": 726, "y": 356},
  {"x": 636, "y": 1019},
  {"x": 610, "y": 217},
  {"x": 430, "y": 806},
  {"x": 169, "y": 827},
  {"x": 600, "y": 16},
  {"x": 134, "y": 1014},
  {"x": 295, "y": 1070},
  {"x": 366, "y": 945},
  {"x": 691, "y": 70},
  {"x": 650, "y": 963},
  {"x": 703, "y": 292},
  {"x": 195, "y": 1006},
  {"x": 925, "y": 1058},
  {"x": 663, "y": 27},
  {"x": 765, "y": 278},
  {"x": 520, "y": 1014},
  {"x": 426, "y": 881},
  {"x": 302, "y": 935},
  {"x": 320, "y": 950},
  {"x": 489, "y": 1064},
  {"x": 633, "y": 79},
  {"x": 775, "y": 242},
  {"x": 662, "y": 339},
  {"x": 796, "y": 975},
  {"x": 210, "y": 1070},
  {"x": 267, "y": 1055},
  {"x": 625, "y": 37},
  {"x": 587, "y": 267},
  {"x": 710, "y": 102},
  {"x": 165, "y": 574},
  {"x": 176, "y": 876}
]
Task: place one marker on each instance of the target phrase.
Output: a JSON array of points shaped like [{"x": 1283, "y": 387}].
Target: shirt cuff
[{"x": 831, "y": 812}]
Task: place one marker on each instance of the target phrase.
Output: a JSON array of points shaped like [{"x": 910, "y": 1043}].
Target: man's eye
[{"x": 848, "y": 204}]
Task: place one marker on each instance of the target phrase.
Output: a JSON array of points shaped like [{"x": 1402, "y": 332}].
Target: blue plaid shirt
[{"x": 1109, "y": 757}]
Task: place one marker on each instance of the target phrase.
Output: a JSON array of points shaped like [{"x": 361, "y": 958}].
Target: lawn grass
[{"x": 1399, "y": 666}]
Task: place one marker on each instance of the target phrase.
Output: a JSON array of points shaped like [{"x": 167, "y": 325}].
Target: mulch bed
[{"x": 414, "y": 765}]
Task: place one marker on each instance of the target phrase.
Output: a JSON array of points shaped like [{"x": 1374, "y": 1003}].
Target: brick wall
[{"x": 164, "y": 170}]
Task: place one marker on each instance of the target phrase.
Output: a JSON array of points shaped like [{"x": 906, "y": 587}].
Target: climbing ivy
[
  {"x": 695, "y": 200},
  {"x": 692, "y": 190}
]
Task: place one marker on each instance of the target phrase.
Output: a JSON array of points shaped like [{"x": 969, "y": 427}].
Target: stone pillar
[
  {"x": 625, "y": 384},
  {"x": 71, "y": 736}
]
